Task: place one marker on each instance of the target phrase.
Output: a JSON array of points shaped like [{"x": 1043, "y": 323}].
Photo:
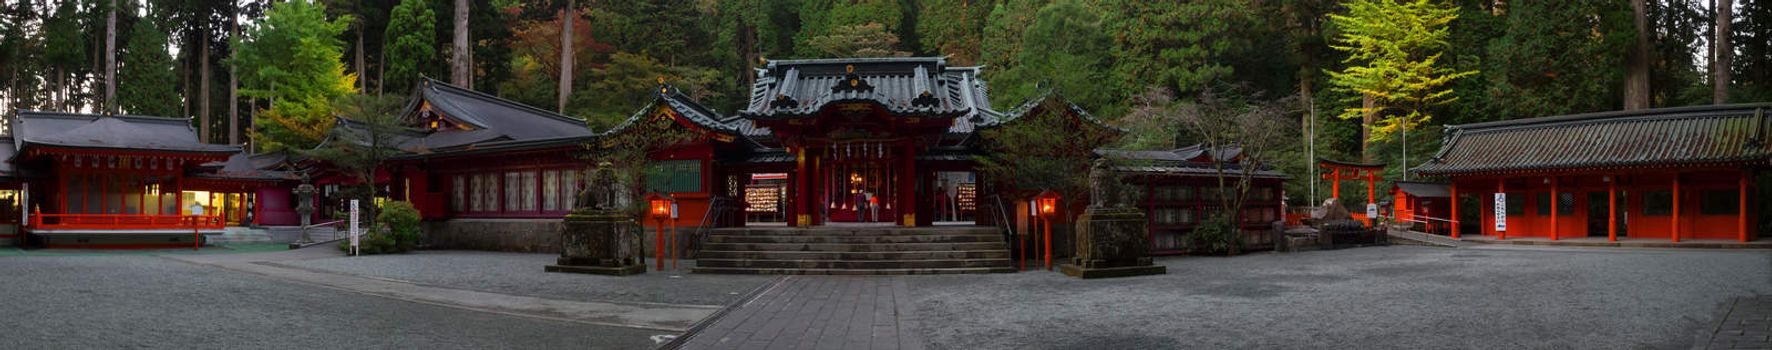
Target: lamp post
[
  {"x": 660, "y": 210},
  {"x": 304, "y": 207},
  {"x": 1048, "y": 205}
]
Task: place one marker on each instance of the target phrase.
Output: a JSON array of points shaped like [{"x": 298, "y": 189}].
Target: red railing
[{"x": 123, "y": 222}]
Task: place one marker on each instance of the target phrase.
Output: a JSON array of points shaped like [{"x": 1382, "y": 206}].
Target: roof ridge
[
  {"x": 506, "y": 102},
  {"x": 1651, "y": 113}
]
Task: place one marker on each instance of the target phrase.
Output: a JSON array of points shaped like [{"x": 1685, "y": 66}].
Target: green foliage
[
  {"x": 1043, "y": 150},
  {"x": 293, "y": 58},
  {"x": 1184, "y": 46},
  {"x": 629, "y": 150},
  {"x": 411, "y": 49},
  {"x": 820, "y": 18},
  {"x": 367, "y": 137},
  {"x": 146, "y": 73},
  {"x": 1216, "y": 235},
  {"x": 861, "y": 40},
  {"x": 65, "y": 51},
  {"x": 1560, "y": 58},
  {"x": 629, "y": 81},
  {"x": 1001, "y": 43},
  {"x": 1072, "y": 54},
  {"x": 1752, "y": 39},
  {"x": 1394, "y": 51},
  {"x": 953, "y": 27},
  {"x": 402, "y": 222}
]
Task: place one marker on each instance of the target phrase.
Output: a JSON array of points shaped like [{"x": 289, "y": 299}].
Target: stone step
[
  {"x": 854, "y": 264},
  {"x": 843, "y": 272},
  {"x": 856, "y": 231},
  {"x": 853, "y": 247},
  {"x": 805, "y": 255},
  {"x": 857, "y": 239}
]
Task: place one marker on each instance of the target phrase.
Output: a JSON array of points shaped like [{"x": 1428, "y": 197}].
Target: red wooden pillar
[
  {"x": 1335, "y": 183},
  {"x": 1676, "y": 224},
  {"x": 1741, "y": 213},
  {"x": 802, "y": 190},
  {"x": 1501, "y": 187},
  {"x": 1556, "y": 201},
  {"x": 1454, "y": 218},
  {"x": 907, "y": 186},
  {"x": 1612, "y": 209}
]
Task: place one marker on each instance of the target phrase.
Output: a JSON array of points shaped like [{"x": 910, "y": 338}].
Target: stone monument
[
  {"x": 1112, "y": 235},
  {"x": 599, "y": 236}
]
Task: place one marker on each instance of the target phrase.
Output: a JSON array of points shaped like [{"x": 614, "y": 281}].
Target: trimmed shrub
[{"x": 1216, "y": 236}]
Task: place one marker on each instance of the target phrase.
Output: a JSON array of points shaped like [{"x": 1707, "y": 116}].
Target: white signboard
[
  {"x": 354, "y": 231},
  {"x": 1371, "y": 211},
  {"x": 1500, "y": 212}
]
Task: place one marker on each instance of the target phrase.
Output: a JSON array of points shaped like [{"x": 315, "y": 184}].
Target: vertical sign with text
[
  {"x": 1500, "y": 212},
  {"x": 354, "y": 231}
]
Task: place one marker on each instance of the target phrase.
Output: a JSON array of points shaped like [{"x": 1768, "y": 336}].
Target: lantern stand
[
  {"x": 1048, "y": 204},
  {"x": 660, "y": 210}
]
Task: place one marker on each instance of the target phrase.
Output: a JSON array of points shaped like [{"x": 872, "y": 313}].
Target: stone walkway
[
  {"x": 1747, "y": 325},
  {"x": 817, "y": 312}
]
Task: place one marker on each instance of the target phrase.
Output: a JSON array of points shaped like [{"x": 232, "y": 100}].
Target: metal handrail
[
  {"x": 717, "y": 208},
  {"x": 1008, "y": 229}
]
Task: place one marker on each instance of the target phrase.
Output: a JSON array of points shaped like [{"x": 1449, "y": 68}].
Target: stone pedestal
[
  {"x": 1112, "y": 242},
  {"x": 600, "y": 242}
]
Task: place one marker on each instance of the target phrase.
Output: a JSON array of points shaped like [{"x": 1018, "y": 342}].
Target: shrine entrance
[{"x": 859, "y": 182}]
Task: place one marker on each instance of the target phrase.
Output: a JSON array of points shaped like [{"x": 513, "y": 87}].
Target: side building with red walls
[{"x": 1673, "y": 174}]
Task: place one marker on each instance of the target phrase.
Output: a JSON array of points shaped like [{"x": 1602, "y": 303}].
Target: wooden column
[
  {"x": 1676, "y": 223},
  {"x": 1335, "y": 183},
  {"x": 802, "y": 188},
  {"x": 1454, "y": 219},
  {"x": 1556, "y": 201},
  {"x": 1371, "y": 186},
  {"x": 1612, "y": 209},
  {"x": 1741, "y": 213},
  {"x": 1500, "y": 187},
  {"x": 907, "y": 186}
]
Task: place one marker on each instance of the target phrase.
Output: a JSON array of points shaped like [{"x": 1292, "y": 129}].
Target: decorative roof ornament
[
  {"x": 782, "y": 100},
  {"x": 921, "y": 84},
  {"x": 852, "y": 82}
]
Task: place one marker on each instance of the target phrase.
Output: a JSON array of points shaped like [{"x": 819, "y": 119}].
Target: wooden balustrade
[{"x": 123, "y": 222}]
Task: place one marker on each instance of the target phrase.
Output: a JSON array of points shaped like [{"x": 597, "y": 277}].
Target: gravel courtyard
[
  {"x": 521, "y": 274},
  {"x": 1383, "y": 297}
]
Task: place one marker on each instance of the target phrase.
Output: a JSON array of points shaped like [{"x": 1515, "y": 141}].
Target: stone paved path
[
  {"x": 817, "y": 312},
  {"x": 1747, "y": 325}
]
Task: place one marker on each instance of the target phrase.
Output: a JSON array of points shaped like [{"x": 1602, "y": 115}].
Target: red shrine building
[
  {"x": 85, "y": 180},
  {"x": 1674, "y": 174}
]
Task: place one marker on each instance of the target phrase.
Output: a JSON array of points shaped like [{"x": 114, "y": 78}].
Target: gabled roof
[
  {"x": 121, "y": 132},
  {"x": 919, "y": 86},
  {"x": 1425, "y": 189},
  {"x": 1196, "y": 160},
  {"x": 1040, "y": 102},
  {"x": 667, "y": 96},
  {"x": 249, "y": 167},
  {"x": 1725, "y": 135},
  {"x": 488, "y": 118}
]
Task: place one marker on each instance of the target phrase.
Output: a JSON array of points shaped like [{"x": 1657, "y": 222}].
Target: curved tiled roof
[
  {"x": 668, "y": 96},
  {"x": 913, "y": 86},
  {"x": 492, "y": 118},
  {"x": 1725, "y": 135},
  {"x": 78, "y": 130}
]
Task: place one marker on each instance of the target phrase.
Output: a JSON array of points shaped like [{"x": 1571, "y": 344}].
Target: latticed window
[
  {"x": 550, "y": 190},
  {"x": 568, "y": 188},
  {"x": 459, "y": 189},
  {"x": 513, "y": 192},
  {"x": 674, "y": 176},
  {"x": 528, "y": 191}
]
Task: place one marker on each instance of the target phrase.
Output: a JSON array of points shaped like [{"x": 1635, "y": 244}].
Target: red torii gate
[{"x": 1341, "y": 171}]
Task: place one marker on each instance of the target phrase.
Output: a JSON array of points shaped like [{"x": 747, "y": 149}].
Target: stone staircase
[
  {"x": 235, "y": 234},
  {"x": 287, "y": 234},
  {"x": 871, "y": 250}
]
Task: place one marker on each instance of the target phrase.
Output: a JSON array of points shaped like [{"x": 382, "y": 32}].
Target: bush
[
  {"x": 401, "y": 219},
  {"x": 396, "y": 230},
  {"x": 1217, "y": 236}
]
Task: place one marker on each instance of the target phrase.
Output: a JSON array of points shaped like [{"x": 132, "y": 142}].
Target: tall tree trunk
[
  {"x": 203, "y": 86},
  {"x": 1720, "y": 68},
  {"x": 362, "y": 76},
  {"x": 233, "y": 80},
  {"x": 459, "y": 66},
  {"x": 567, "y": 16},
  {"x": 1636, "y": 79},
  {"x": 1366, "y": 121},
  {"x": 381, "y": 70},
  {"x": 110, "y": 101}
]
